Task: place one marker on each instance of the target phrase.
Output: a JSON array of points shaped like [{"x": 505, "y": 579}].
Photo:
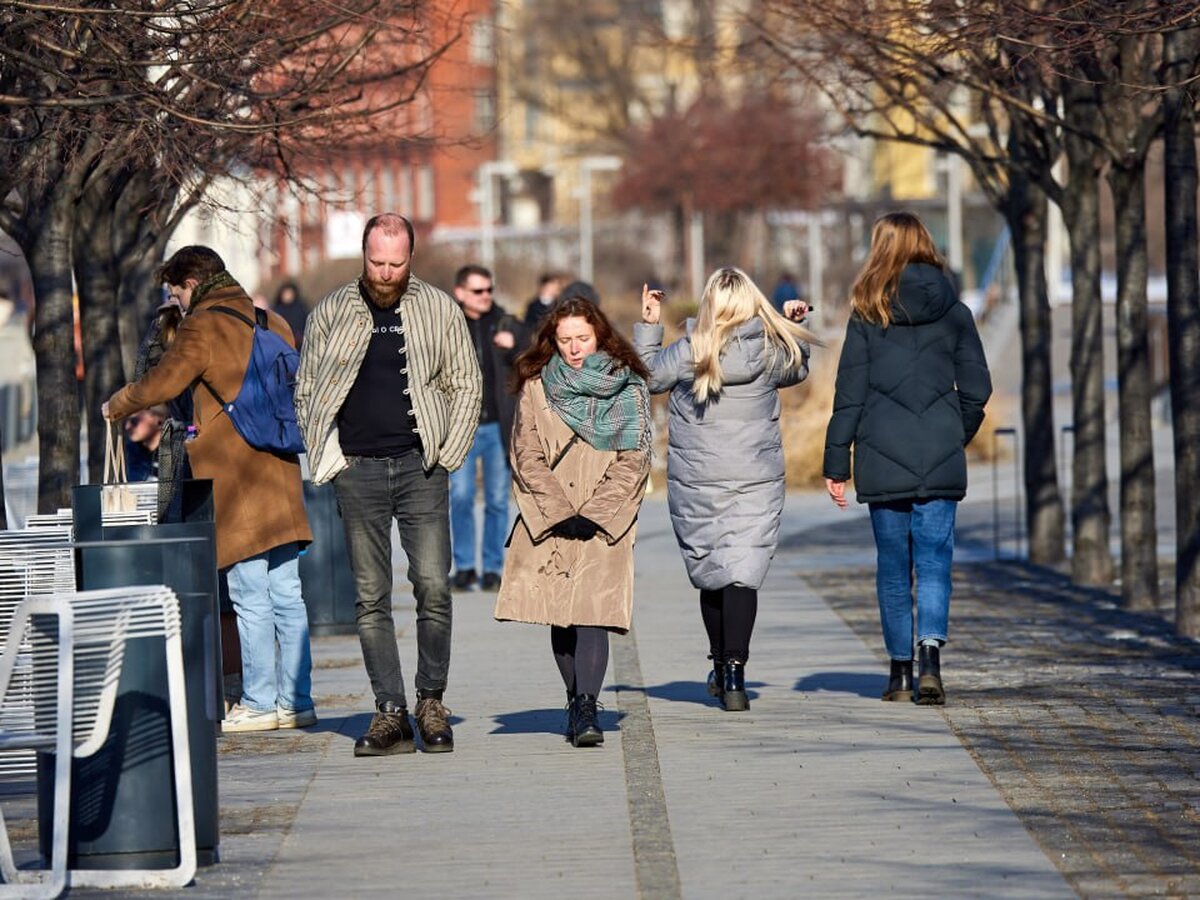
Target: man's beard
[{"x": 384, "y": 295}]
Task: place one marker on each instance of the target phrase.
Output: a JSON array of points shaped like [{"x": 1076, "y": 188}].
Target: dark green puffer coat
[{"x": 910, "y": 396}]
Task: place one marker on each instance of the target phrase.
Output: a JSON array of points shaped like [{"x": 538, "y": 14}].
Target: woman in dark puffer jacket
[{"x": 911, "y": 386}]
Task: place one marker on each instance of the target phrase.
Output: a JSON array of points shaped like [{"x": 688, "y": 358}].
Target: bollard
[
  {"x": 327, "y": 581},
  {"x": 1017, "y": 529}
]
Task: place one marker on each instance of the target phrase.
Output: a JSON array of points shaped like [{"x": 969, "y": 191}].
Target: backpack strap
[{"x": 259, "y": 314}]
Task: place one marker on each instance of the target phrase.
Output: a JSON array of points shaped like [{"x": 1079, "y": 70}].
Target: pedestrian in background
[
  {"x": 911, "y": 386},
  {"x": 497, "y": 338},
  {"x": 725, "y": 473},
  {"x": 289, "y": 304},
  {"x": 550, "y": 285},
  {"x": 257, "y": 499},
  {"x": 388, "y": 399},
  {"x": 786, "y": 290},
  {"x": 581, "y": 456}
]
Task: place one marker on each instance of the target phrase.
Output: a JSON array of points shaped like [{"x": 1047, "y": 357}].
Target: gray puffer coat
[{"x": 725, "y": 458}]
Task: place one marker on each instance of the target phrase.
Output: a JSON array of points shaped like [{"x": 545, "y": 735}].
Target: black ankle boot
[
  {"x": 734, "y": 698},
  {"x": 899, "y": 685},
  {"x": 930, "y": 691},
  {"x": 716, "y": 678},
  {"x": 585, "y": 725}
]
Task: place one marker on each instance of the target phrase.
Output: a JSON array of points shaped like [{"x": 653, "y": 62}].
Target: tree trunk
[
  {"x": 1025, "y": 211},
  {"x": 96, "y": 281},
  {"x": 48, "y": 254},
  {"x": 1183, "y": 324},
  {"x": 1091, "y": 557},
  {"x": 1139, "y": 532}
]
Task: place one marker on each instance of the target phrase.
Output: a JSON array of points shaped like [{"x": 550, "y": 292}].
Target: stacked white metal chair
[{"x": 76, "y": 644}]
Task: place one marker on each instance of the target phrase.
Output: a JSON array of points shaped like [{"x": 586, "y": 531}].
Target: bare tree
[
  {"x": 185, "y": 92},
  {"x": 1181, "y": 53},
  {"x": 913, "y": 74}
]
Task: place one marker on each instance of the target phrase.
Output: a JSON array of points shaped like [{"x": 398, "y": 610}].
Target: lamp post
[
  {"x": 486, "y": 197},
  {"x": 587, "y": 166}
]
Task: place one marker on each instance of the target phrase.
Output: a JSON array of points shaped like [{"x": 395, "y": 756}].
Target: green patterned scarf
[
  {"x": 220, "y": 280},
  {"x": 606, "y": 405}
]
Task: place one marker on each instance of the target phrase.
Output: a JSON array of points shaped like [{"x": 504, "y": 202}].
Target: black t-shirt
[
  {"x": 377, "y": 417},
  {"x": 481, "y": 331}
]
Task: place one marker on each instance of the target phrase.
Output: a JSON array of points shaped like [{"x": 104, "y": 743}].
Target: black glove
[{"x": 579, "y": 528}]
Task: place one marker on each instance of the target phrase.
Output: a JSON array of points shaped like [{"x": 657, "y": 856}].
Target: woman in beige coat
[{"x": 580, "y": 458}]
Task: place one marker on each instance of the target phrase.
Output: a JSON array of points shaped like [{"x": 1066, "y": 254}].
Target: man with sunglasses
[{"x": 497, "y": 338}]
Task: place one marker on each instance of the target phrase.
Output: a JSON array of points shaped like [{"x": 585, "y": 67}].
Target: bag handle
[{"x": 114, "y": 456}]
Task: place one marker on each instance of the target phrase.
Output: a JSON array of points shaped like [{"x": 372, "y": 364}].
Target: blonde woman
[
  {"x": 725, "y": 456},
  {"x": 911, "y": 386}
]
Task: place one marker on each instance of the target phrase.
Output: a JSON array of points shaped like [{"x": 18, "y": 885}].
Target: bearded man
[{"x": 388, "y": 398}]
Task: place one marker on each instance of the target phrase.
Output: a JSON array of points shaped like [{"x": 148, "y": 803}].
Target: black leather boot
[
  {"x": 899, "y": 685},
  {"x": 585, "y": 725},
  {"x": 930, "y": 691},
  {"x": 734, "y": 698},
  {"x": 390, "y": 732},
  {"x": 716, "y": 678}
]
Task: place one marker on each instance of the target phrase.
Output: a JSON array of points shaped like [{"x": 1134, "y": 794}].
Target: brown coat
[
  {"x": 550, "y": 580},
  {"x": 257, "y": 495}
]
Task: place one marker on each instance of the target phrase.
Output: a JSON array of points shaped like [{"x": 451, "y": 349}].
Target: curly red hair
[{"x": 530, "y": 363}]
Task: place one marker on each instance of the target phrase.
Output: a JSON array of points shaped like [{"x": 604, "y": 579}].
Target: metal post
[
  {"x": 486, "y": 197},
  {"x": 816, "y": 261},
  {"x": 954, "y": 212},
  {"x": 587, "y": 166},
  {"x": 696, "y": 244}
]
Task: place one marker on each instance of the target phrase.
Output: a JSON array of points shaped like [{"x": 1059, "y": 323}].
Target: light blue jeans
[
  {"x": 265, "y": 590},
  {"x": 488, "y": 449},
  {"x": 913, "y": 536}
]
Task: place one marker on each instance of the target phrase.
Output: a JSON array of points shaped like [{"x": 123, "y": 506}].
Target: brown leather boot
[
  {"x": 390, "y": 732},
  {"x": 433, "y": 721}
]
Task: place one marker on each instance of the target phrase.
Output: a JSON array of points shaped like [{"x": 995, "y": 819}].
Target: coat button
[
  {"x": 570, "y": 484},
  {"x": 344, "y": 362}
]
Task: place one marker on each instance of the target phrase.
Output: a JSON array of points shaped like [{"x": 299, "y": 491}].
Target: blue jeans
[
  {"x": 913, "y": 536},
  {"x": 370, "y": 494},
  {"x": 265, "y": 591},
  {"x": 489, "y": 450}
]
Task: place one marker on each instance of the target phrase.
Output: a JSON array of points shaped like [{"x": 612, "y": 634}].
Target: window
[
  {"x": 485, "y": 111},
  {"x": 483, "y": 42},
  {"x": 387, "y": 189},
  {"x": 425, "y": 206},
  {"x": 406, "y": 191}
]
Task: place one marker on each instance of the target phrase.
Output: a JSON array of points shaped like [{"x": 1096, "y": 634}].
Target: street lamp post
[
  {"x": 486, "y": 197},
  {"x": 587, "y": 166}
]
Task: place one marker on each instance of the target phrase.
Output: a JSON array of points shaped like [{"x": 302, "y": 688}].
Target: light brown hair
[{"x": 897, "y": 240}]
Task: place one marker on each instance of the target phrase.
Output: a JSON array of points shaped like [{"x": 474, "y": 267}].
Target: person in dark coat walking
[
  {"x": 497, "y": 338},
  {"x": 911, "y": 387},
  {"x": 725, "y": 454}
]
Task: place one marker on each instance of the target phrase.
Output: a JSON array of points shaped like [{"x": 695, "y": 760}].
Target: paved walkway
[{"x": 819, "y": 790}]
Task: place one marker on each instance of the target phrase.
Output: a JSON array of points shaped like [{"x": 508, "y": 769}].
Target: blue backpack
[{"x": 264, "y": 411}]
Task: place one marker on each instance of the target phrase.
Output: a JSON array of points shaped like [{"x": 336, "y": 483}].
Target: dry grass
[{"x": 806, "y": 411}]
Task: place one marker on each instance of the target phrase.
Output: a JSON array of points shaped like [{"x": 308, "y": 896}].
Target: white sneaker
[
  {"x": 242, "y": 718},
  {"x": 296, "y": 718}
]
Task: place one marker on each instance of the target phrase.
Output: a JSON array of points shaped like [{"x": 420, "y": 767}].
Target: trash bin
[
  {"x": 122, "y": 799},
  {"x": 325, "y": 573}
]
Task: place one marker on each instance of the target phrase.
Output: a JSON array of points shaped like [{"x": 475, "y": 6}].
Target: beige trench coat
[
  {"x": 257, "y": 496},
  {"x": 550, "y": 580}
]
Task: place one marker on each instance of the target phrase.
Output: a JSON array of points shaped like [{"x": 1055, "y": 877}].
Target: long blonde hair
[
  {"x": 730, "y": 299},
  {"x": 897, "y": 240}
]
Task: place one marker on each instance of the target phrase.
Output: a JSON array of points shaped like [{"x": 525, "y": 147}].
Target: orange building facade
[{"x": 428, "y": 172}]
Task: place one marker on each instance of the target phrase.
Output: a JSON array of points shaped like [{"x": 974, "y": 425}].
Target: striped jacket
[{"x": 445, "y": 385}]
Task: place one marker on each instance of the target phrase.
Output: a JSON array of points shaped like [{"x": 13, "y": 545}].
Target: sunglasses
[{"x": 487, "y": 290}]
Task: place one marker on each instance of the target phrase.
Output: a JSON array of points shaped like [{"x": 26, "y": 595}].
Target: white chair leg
[{"x": 185, "y": 871}]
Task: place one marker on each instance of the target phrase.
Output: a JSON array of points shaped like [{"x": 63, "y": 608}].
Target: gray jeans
[{"x": 370, "y": 494}]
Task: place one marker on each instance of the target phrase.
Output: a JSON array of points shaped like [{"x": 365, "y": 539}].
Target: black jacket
[
  {"x": 910, "y": 396},
  {"x": 499, "y": 366}
]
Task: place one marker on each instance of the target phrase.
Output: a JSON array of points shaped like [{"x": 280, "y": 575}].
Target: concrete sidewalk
[{"x": 819, "y": 790}]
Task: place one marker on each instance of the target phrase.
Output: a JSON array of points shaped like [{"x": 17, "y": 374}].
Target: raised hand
[
  {"x": 796, "y": 310},
  {"x": 651, "y": 302}
]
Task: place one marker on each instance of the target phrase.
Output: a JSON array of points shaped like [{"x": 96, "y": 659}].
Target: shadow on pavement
[
  {"x": 862, "y": 684},
  {"x": 685, "y": 691},
  {"x": 547, "y": 721}
]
